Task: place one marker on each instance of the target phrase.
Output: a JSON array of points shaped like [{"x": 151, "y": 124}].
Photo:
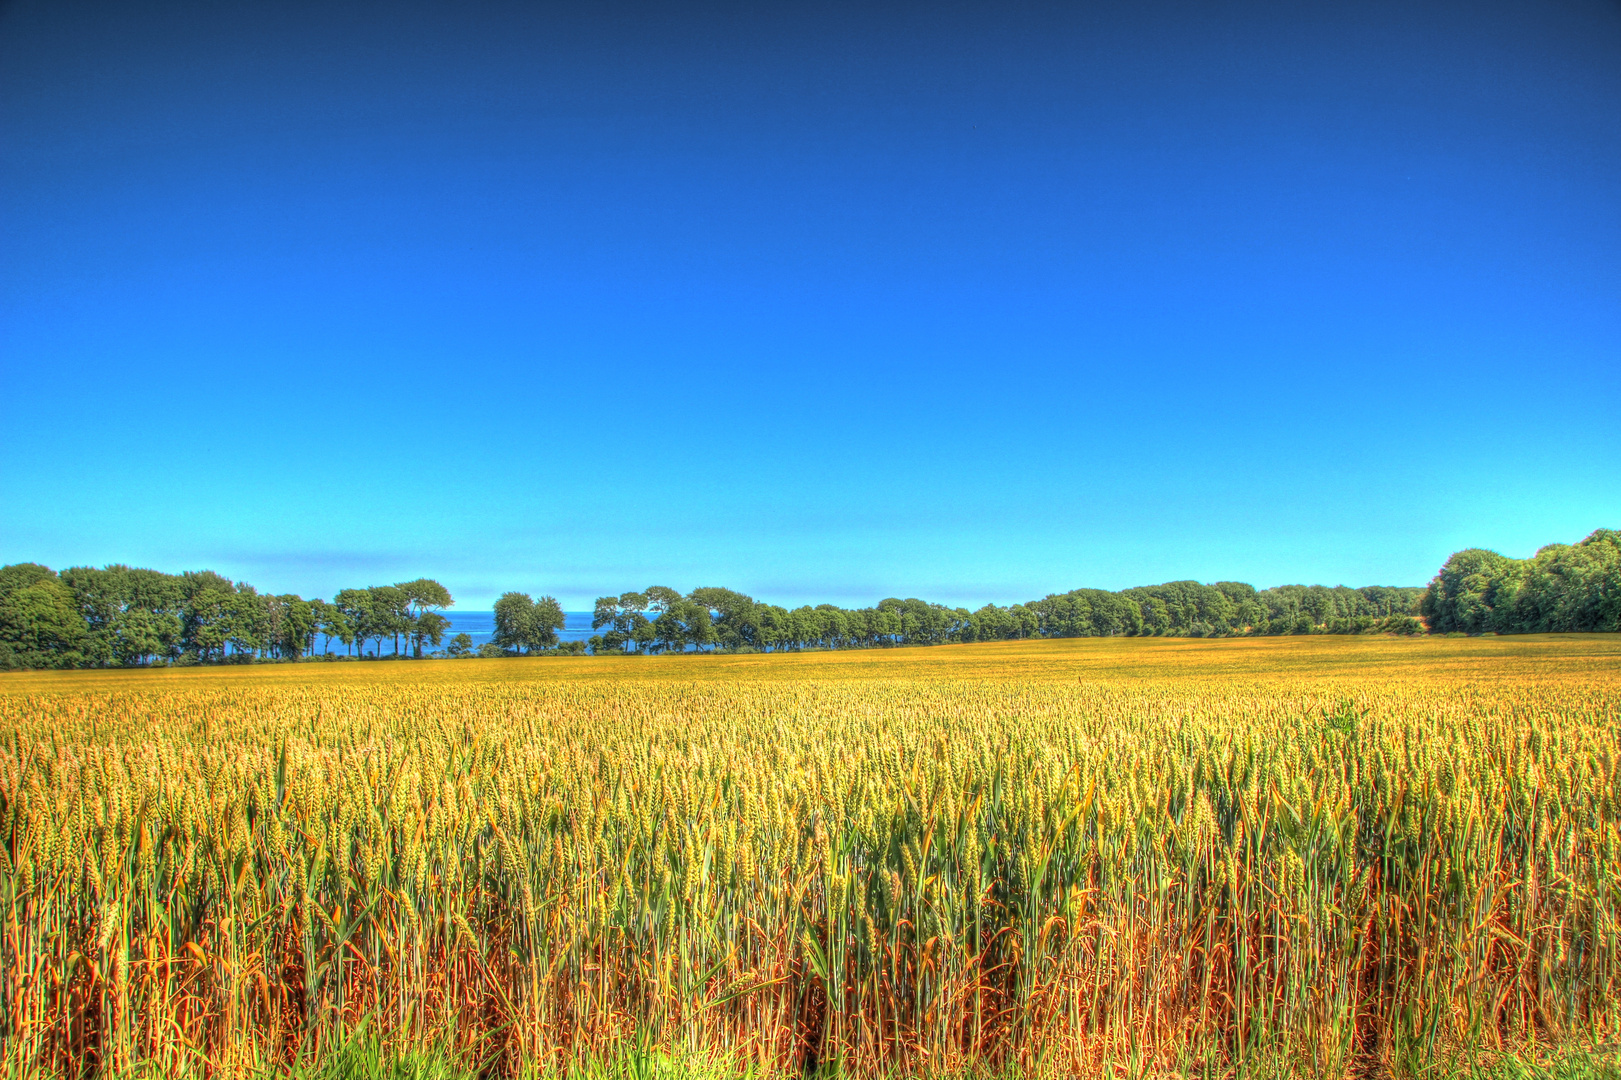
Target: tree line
[
  {"x": 660, "y": 619},
  {"x": 126, "y": 617},
  {"x": 1560, "y": 589},
  {"x": 122, "y": 616}
]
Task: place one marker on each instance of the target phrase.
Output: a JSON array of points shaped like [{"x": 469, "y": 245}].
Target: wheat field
[{"x": 1320, "y": 857}]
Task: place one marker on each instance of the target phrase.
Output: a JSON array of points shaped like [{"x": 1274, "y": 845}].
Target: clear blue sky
[{"x": 821, "y": 302}]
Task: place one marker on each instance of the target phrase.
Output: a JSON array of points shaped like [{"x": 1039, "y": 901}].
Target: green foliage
[
  {"x": 1562, "y": 588},
  {"x": 128, "y": 617},
  {"x": 525, "y": 624},
  {"x": 119, "y": 615},
  {"x": 512, "y": 613},
  {"x": 423, "y": 599},
  {"x": 624, "y": 619},
  {"x": 39, "y": 623},
  {"x": 429, "y": 628}
]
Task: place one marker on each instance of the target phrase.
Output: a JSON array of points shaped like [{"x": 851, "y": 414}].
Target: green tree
[
  {"x": 331, "y": 622},
  {"x": 248, "y": 621},
  {"x": 131, "y": 616},
  {"x": 390, "y": 614},
  {"x": 205, "y": 599},
  {"x": 295, "y": 629},
  {"x": 429, "y": 627},
  {"x": 623, "y": 616},
  {"x": 641, "y": 632},
  {"x": 423, "y": 597},
  {"x": 731, "y": 615},
  {"x": 660, "y": 597},
  {"x": 98, "y": 594},
  {"x": 354, "y": 625},
  {"x": 527, "y": 625},
  {"x": 604, "y": 612},
  {"x": 40, "y": 624},
  {"x": 683, "y": 622},
  {"x": 1156, "y": 615},
  {"x": 1468, "y": 591},
  {"x": 834, "y": 624},
  {"x": 545, "y": 620},
  {"x": 1568, "y": 587},
  {"x": 513, "y": 613},
  {"x": 990, "y": 623}
]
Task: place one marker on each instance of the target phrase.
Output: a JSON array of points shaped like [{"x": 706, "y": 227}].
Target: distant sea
[{"x": 480, "y": 626}]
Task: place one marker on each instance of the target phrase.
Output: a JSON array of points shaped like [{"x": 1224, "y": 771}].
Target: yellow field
[
  {"x": 1591, "y": 658},
  {"x": 1314, "y": 856}
]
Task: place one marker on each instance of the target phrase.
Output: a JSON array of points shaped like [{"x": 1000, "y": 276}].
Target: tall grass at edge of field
[{"x": 364, "y": 1058}]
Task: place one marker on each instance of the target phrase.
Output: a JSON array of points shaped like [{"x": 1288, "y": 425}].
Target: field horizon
[{"x": 1315, "y": 657}]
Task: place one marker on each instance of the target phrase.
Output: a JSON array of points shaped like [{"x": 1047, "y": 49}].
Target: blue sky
[{"x": 973, "y": 302}]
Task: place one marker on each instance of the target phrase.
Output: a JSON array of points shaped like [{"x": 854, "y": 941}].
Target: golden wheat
[{"x": 1189, "y": 868}]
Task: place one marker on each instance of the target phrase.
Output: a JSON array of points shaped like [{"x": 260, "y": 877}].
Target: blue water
[{"x": 480, "y": 626}]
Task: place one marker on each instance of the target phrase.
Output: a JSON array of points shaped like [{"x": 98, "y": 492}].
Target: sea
[{"x": 480, "y": 626}]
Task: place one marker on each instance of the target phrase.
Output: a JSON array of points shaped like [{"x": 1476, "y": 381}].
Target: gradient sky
[{"x": 973, "y": 302}]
